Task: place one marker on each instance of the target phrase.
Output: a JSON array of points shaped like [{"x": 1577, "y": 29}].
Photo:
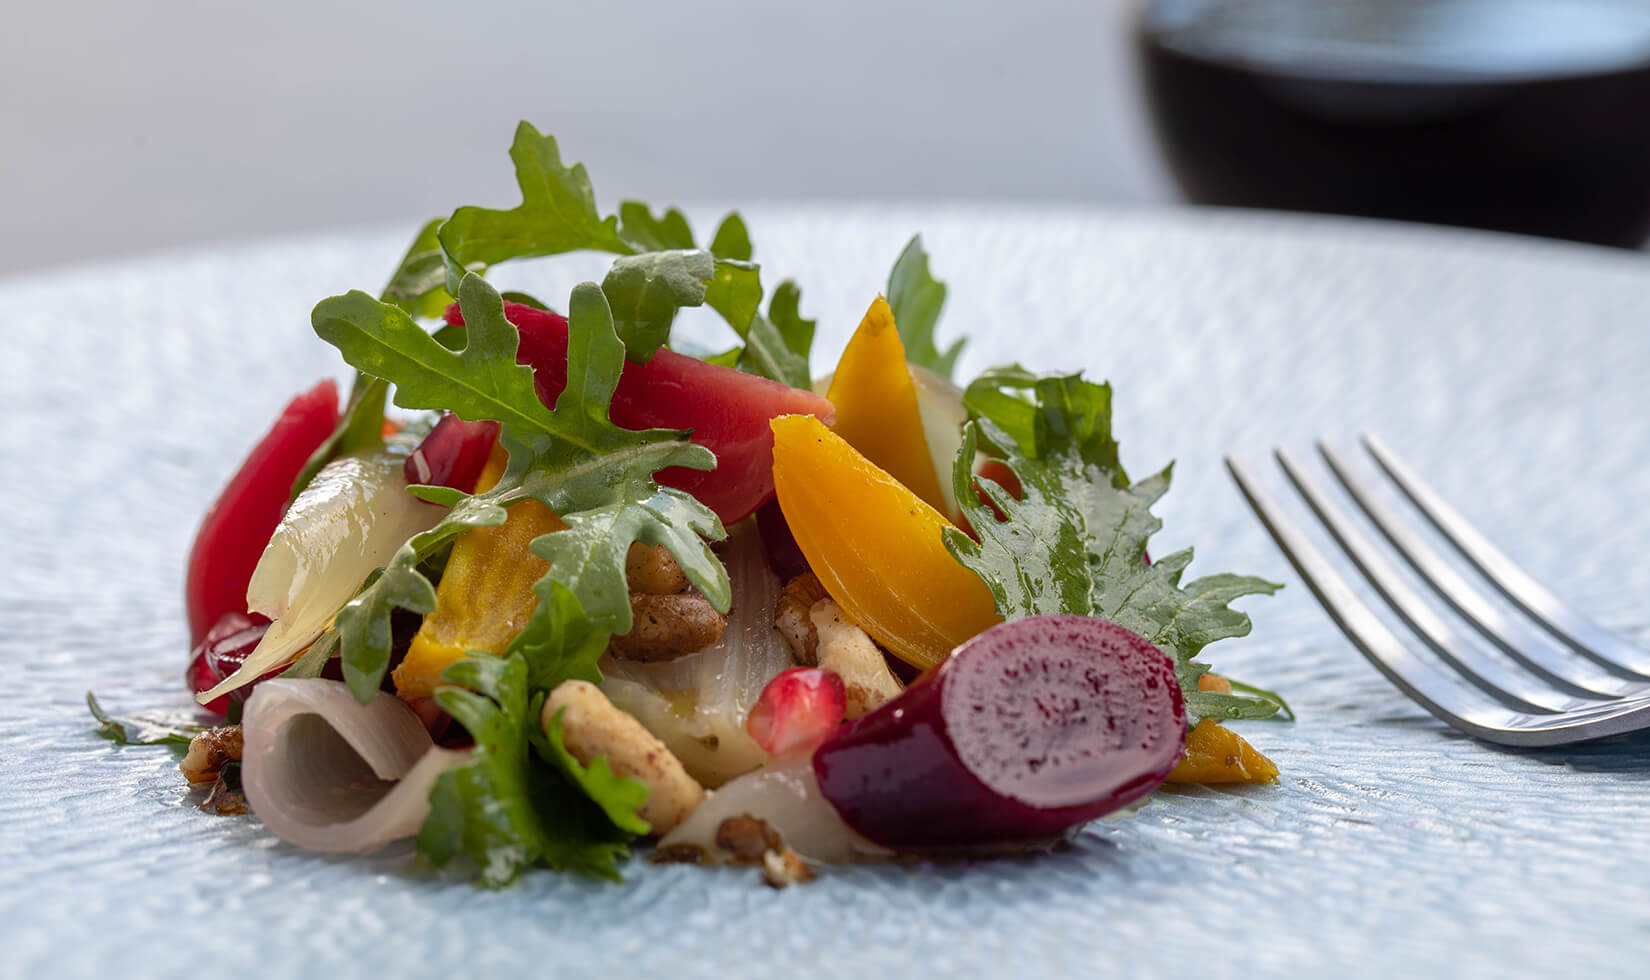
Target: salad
[{"x": 550, "y": 582}]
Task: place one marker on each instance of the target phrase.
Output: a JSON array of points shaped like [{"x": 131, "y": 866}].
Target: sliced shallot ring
[{"x": 327, "y": 773}]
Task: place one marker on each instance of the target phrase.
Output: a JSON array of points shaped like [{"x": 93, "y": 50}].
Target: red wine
[{"x": 1528, "y": 116}]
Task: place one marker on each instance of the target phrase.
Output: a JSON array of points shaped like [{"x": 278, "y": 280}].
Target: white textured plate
[{"x": 1514, "y": 374}]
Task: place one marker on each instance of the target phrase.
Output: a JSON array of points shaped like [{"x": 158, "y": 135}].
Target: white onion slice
[
  {"x": 786, "y": 795},
  {"x": 940, "y": 404},
  {"x": 327, "y": 773},
  {"x": 697, "y": 704},
  {"x": 345, "y": 524}
]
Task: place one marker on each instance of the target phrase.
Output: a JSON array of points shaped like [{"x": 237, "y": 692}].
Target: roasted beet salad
[{"x": 586, "y": 585}]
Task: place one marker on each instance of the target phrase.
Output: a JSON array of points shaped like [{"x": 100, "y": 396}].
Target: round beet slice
[{"x": 1028, "y": 730}]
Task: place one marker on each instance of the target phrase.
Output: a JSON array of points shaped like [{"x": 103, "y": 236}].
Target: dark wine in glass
[{"x": 1528, "y": 116}]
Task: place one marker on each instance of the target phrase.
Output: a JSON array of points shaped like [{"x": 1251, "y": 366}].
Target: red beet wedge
[{"x": 1029, "y": 730}]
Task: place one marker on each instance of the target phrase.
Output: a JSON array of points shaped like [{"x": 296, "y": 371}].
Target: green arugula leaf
[
  {"x": 573, "y": 459},
  {"x": 645, "y": 233},
  {"x": 1035, "y": 563},
  {"x": 735, "y": 291},
  {"x": 419, "y": 284},
  {"x": 143, "y": 728},
  {"x": 916, "y": 298},
  {"x": 508, "y": 808},
  {"x": 557, "y": 214},
  {"x": 785, "y": 311},
  {"x": 646, "y": 291},
  {"x": 1075, "y": 542},
  {"x": 619, "y": 798},
  {"x": 732, "y": 240}
]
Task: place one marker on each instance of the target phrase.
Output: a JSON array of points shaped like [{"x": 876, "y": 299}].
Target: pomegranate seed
[
  {"x": 799, "y": 709},
  {"x": 453, "y": 454}
]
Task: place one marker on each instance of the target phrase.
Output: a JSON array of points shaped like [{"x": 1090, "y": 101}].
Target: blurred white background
[{"x": 135, "y": 126}]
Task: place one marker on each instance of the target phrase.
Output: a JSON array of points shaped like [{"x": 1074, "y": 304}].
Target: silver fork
[{"x": 1589, "y": 685}]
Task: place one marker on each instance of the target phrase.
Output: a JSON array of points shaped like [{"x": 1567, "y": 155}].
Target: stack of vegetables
[{"x": 430, "y": 624}]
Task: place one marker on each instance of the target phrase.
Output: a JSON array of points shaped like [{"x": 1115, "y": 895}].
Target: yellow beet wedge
[
  {"x": 485, "y": 596},
  {"x": 1216, "y": 754},
  {"x": 876, "y": 405},
  {"x": 875, "y": 545}
]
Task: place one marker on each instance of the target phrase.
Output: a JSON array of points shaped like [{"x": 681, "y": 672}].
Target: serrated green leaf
[
  {"x": 785, "y": 312},
  {"x": 508, "y": 809},
  {"x": 1034, "y": 563},
  {"x": 766, "y": 354},
  {"x": 619, "y": 798},
  {"x": 557, "y": 214},
  {"x": 144, "y": 728},
  {"x": 419, "y": 284},
  {"x": 645, "y": 233},
  {"x": 1075, "y": 541},
  {"x": 732, "y": 240},
  {"x": 916, "y": 298},
  {"x": 735, "y": 291},
  {"x": 646, "y": 291},
  {"x": 559, "y": 642},
  {"x": 573, "y": 459}
]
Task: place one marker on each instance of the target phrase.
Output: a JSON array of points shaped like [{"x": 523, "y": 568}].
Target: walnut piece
[
  {"x": 652, "y": 569},
  {"x": 790, "y": 617},
  {"x": 752, "y": 840},
  {"x": 784, "y": 867},
  {"x": 665, "y": 627},
  {"x": 208, "y": 752},
  {"x": 848, "y": 651},
  {"x": 591, "y": 727}
]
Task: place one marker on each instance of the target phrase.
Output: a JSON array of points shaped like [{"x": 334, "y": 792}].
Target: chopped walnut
[
  {"x": 848, "y": 651},
  {"x": 747, "y": 838},
  {"x": 208, "y": 752},
  {"x": 652, "y": 570},
  {"x": 665, "y": 627},
  {"x": 786, "y": 867},
  {"x": 752, "y": 840},
  {"x": 790, "y": 617}
]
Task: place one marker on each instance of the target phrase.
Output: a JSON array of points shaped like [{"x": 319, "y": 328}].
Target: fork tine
[
  {"x": 1515, "y": 688},
  {"x": 1576, "y": 630},
  {"x": 1514, "y": 636},
  {"x": 1445, "y": 696}
]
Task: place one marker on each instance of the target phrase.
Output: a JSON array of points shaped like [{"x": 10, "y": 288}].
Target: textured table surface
[{"x": 1512, "y": 373}]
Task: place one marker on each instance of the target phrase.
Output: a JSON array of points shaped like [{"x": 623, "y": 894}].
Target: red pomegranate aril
[
  {"x": 221, "y": 652},
  {"x": 1026, "y": 732},
  {"x": 797, "y": 711},
  {"x": 453, "y": 454}
]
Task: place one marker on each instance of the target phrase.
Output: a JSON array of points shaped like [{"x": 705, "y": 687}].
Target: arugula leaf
[
  {"x": 1075, "y": 541},
  {"x": 143, "y": 728},
  {"x": 1035, "y": 564},
  {"x": 784, "y": 309},
  {"x": 508, "y": 808},
  {"x": 916, "y": 298},
  {"x": 645, "y": 292},
  {"x": 573, "y": 459},
  {"x": 735, "y": 291},
  {"x": 732, "y": 240},
  {"x": 419, "y": 284},
  {"x": 619, "y": 798},
  {"x": 557, "y": 214},
  {"x": 645, "y": 233}
]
